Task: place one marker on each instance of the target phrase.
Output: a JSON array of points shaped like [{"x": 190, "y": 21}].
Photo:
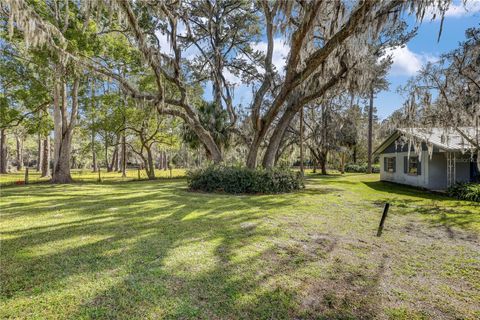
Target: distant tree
[
  {"x": 149, "y": 130},
  {"x": 24, "y": 99},
  {"x": 328, "y": 42},
  {"x": 454, "y": 81},
  {"x": 321, "y": 123},
  {"x": 355, "y": 120}
]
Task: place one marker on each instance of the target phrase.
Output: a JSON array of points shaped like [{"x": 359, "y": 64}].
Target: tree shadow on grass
[
  {"x": 257, "y": 287},
  {"x": 441, "y": 210},
  {"x": 320, "y": 191},
  {"x": 331, "y": 179},
  {"x": 50, "y": 198},
  {"x": 398, "y": 189},
  {"x": 152, "y": 247}
]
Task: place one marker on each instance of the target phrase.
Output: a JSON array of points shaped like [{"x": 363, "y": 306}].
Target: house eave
[
  {"x": 399, "y": 132},
  {"x": 394, "y": 136}
]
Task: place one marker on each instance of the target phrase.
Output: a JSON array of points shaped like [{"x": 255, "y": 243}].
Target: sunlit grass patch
[{"x": 151, "y": 249}]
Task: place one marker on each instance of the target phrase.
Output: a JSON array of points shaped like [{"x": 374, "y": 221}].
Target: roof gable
[{"x": 448, "y": 139}]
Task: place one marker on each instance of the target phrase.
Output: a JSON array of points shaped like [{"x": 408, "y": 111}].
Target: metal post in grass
[
  {"x": 382, "y": 221},
  {"x": 138, "y": 173},
  {"x": 99, "y": 176},
  {"x": 26, "y": 175}
]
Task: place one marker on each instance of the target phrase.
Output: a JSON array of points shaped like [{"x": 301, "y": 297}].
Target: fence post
[
  {"x": 382, "y": 221},
  {"x": 99, "y": 176},
  {"x": 138, "y": 173},
  {"x": 26, "y": 175}
]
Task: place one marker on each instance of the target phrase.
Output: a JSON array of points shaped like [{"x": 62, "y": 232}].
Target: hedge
[
  {"x": 361, "y": 168},
  {"x": 238, "y": 180}
]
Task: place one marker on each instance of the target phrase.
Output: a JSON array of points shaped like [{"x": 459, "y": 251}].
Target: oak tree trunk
[
  {"x": 107, "y": 166},
  {"x": 46, "y": 157},
  {"x": 61, "y": 171},
  {"x": 323, "y": 162},
  {"x": 39, "y": 155},
  {"x": 124, "y": 156},
  {"x": 150, "y": 165},
  {"x": 370, "y": 133},
  {"x": 342, "y": 162},
  {"x": 302, "y": 169},
  {"x": 276, "y": 138},
  {"x": 3, "y": 151},
  {"x": 63, "y": 129},
  {"x": 208, "y": 142},
  {"x": 19, "y": 152},
  {"x": 114, "y": 160},
  {"x": 94, "y": 153},
  {"x": 118, "y": 161}
]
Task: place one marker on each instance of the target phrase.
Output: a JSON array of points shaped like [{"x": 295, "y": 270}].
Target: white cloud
[
  {"x": 231, "y": 78},
  {"x": 457, "y": 9},
  {"x": 460, "y": 10},
  {"x": 280, "y": 52},
  {"x": 407, "y": 62},
  {"x": 164, "y": 42}
]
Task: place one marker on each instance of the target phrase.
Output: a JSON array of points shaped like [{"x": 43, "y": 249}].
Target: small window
[
  {"x": 390, "y": 165},
  {"x": 413, "y": 165}
]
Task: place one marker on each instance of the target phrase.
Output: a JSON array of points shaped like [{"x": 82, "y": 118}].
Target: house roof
[{"x": 449, "y": 139}]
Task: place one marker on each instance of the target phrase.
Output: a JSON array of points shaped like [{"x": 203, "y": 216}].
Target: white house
[{"x": 438, "y": 157}]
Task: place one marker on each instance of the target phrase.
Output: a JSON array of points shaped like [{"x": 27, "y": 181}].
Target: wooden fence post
[
  {"x": 382, "y": 221},
  {"x": 138, "y": 173},
  {"x": 26, "y": 175},
  {"x": 99, "y": 176}
]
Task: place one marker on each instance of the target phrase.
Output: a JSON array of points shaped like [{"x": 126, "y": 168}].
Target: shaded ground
[{"x": 153, "y": 250}]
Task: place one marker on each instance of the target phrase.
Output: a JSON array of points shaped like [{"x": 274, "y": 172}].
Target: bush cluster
[
  {"x": 238, "y": 180},
  {"x": 361, "y": 168},
  {"x": 465, "y": 191}
]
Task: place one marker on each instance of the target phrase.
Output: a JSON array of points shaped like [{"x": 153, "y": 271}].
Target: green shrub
[
  {"x": 243, "y": 180},
  {"x": 361, "y": 168},
  {"x": 465, "y": 191}
]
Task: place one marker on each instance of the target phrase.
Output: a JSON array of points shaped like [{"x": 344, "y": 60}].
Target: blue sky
[
  {"x": 407, "y": 60},
  {"x": 424, "y": 47}
]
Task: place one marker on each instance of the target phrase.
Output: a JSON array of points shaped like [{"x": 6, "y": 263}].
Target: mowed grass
[
  {"x": 153, "y": 250},
  {"x": 86, "y": 175}
]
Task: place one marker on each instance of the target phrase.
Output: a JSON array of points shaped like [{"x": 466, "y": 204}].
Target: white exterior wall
[
  {"x": 437, "y": 168},
  {"x": 399, "y": 176}
]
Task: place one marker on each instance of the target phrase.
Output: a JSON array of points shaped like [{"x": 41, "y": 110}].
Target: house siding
[
  {"x": 437, "y": 179},
  {"x": 463, "y": 167},
  {"x": 433, "y": 170},
  {"x": 399, "y": 176}
]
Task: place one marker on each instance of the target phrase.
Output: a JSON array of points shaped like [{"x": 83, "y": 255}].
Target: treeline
[{"x": 108, "y": 83}]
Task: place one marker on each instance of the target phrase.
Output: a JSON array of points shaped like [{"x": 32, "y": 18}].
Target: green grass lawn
[{"x": 153, "y": 250}]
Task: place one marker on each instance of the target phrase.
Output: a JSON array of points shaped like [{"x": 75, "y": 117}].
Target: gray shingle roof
[{"x": 448, "y": 139}]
